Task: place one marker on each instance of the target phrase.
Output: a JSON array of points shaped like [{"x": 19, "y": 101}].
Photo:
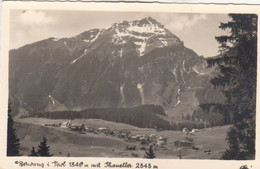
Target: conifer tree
[
  {"x": 237, "y": 65},
  {"x": 13, "y": 144},
  {"x": 182, "y": 116},
  {"x": 192, "y": 117},
  {"x": 33, "y": 152},
  {"x": 150, "y": 154},
  {"x": 43, "y": 149}
]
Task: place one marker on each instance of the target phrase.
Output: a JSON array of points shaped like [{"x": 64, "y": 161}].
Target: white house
[{"x": 65, "y": 124}]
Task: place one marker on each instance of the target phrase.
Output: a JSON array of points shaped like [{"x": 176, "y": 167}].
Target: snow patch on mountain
[
  {"x": 85, "y": 51},
  {"x": 141, "y": 47},
  {"x": 140, "y": 89},
  {"x": 178, "y": 97},
  {"x": 175, "y": 73},
  {"x": 52, "y": 100},
  {"x": 93, "y": 37},
  {"x": 65, "y": 43},
  {"x": 164, "y": 41},
  {"x": 119, "y": 37},
  {"x": 55, "y": 39},
  {"x": 141, "y": 68},
  {"x": 181, "y": 70},
  {"x": 148, "y": 19},
  {"x": 147, "y": 28},
  {"x": 122, "y": 93},
  {"x": 114, "y": 53},
  {"x": 183, "y": 66},
  {"x": 121, "y": 52},
  {"x": 140, "y": 33},
  {"x": 117, "y": 53},
  {"x": 197, "y": 71}
]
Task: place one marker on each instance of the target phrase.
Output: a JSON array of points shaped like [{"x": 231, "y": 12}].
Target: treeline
[
  {"x": 213, "y": 114},
  {"x": 143, "y": 116},
  {"x": 187, "y": 124}
]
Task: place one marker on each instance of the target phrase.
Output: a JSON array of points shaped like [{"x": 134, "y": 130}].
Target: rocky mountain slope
[{"x": 128, "y": 64}]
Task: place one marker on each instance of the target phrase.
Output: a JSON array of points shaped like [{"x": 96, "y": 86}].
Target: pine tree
[
  {"x": 33, "y": 153},
  {"x": 193, "y": 117},
  {"x": 150, "y": 154},
  {"x": 13, "y": 144},
  {"x": 233, "y": 145},
  {"x": 43, "y": 148},
  {"x": 237, "y": 64},
  {"x": 187, "y": 117}
]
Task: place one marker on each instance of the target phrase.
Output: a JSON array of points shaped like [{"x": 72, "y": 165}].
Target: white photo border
[{"x": 10, "y": 162}]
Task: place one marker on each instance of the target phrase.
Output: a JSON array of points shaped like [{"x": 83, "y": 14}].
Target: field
[{"x": 97, "y": 144}]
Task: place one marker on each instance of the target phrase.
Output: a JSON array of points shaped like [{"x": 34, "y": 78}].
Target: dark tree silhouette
[
  {"x": 237, "y": 65},
  {"x": 192, "y": 117},
  {"x": 144, "y": 116},
  {"x": 43, "y": 149},
  {"x": 33, "y": 152},
  {"x": 13, "y": 144},
  {"x": 187, "y": 117},
  {"x": 150, "y": 154}
]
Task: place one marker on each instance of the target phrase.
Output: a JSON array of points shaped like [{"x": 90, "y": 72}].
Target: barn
[{"x": 183, "y": 144}]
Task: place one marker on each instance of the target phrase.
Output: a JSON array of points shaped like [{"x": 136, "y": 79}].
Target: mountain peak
[
  {"x": 146, "y": 34},
  {"x": 145, "y": 22},
  {"x": 148, "y": 21},
  {"x": 146, "y": 25},
  {"x": 118, "y": 66}
]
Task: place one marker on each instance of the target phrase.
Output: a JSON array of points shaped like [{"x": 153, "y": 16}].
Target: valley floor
[{"x": 97, "y": 144}]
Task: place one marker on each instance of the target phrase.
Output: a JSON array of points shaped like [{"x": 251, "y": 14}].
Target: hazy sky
[{"x": 198, "y": 31}]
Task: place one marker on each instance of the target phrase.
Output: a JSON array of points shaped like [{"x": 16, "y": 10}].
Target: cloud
[
  {"x": 179, "y": 22},
  {"x": 34, "y": 18}
]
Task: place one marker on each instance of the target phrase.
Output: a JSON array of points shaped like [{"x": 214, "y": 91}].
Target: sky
[{"x": 197, "y": 31}]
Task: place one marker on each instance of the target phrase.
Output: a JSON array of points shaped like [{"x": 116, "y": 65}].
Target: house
[
  {"x": 194, "y": 130},
  {"x": 102, "y": 129},
  {"x": 161, "y": 138},
  {"x": 77, "y": 127},
  {"x": 152, "y": 135},
  {"x": 65, "y": 124},
  {"x": 89, "y": 129},
  {"x": 183, "y": 144},
  {"x": 185, "y": 130},
  {"x": 105, "y": 130},
  {"x": 160, "y": 143},
  {"x": 124, "y": 134},
  {"x": 134, "y": 137}
]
